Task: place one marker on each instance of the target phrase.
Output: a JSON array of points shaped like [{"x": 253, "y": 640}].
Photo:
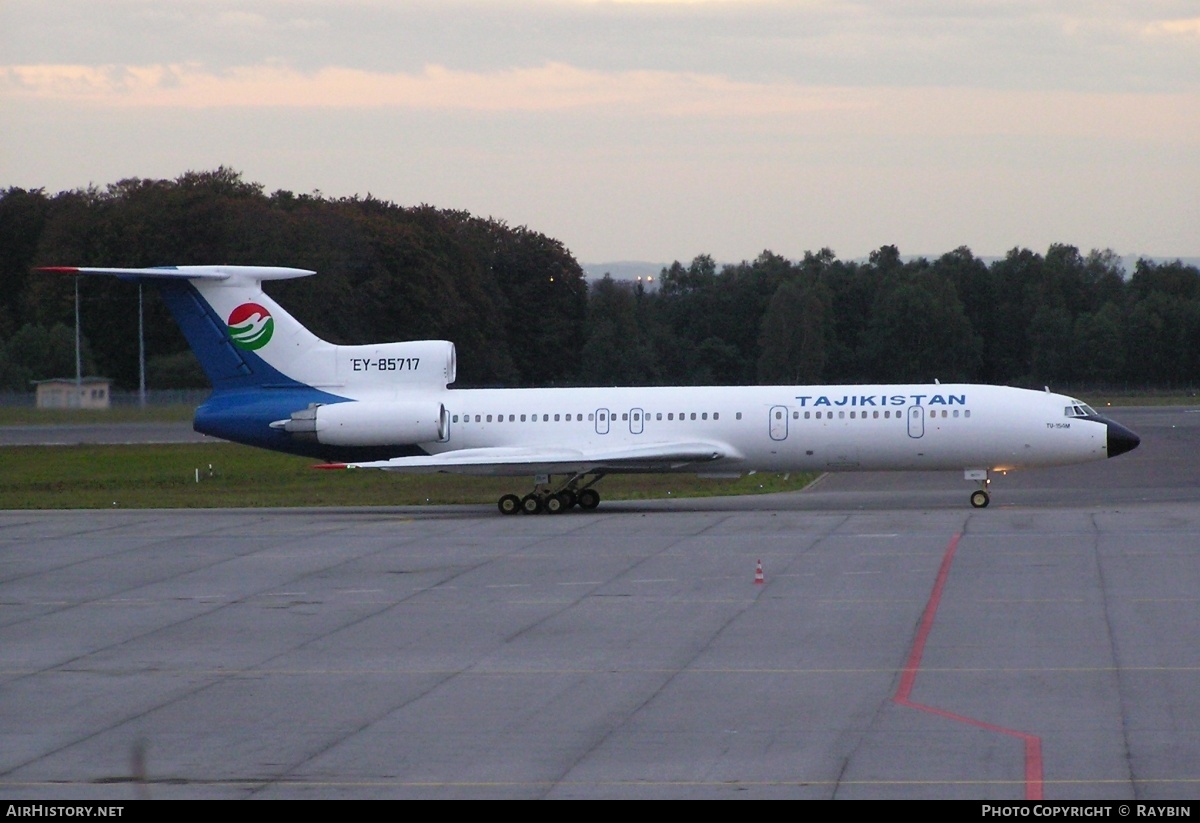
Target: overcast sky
[{"x": 642, "y": 130}]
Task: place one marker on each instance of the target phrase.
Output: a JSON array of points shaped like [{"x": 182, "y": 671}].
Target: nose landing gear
[{"x": 980, "y": 497}]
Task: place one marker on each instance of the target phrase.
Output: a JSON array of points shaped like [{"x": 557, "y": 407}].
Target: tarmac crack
[{"x": 1114, "y": 651}]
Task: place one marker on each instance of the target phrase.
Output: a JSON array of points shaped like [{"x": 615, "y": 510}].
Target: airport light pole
[{"x": 78, "y": 356}]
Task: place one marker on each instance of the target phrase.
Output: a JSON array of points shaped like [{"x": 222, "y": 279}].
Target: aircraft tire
[
  {"x": 589, "y": 499},
  {"x": 509, "y": 504},
  {"x": 980, "y": 499},
  {"x": 531, "y": 504},
  {"x": 555, "y": 504}
]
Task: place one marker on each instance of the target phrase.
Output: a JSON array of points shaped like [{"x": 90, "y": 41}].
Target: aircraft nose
[{"x": 1120, "y": 439}]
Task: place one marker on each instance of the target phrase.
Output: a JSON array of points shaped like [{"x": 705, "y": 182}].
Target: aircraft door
[
  {"x": 602, "y": 419},
  {"x": 636, "y": 421},
  {"x": 779, "y": 423},
  {"x": 916, "y": 421}
]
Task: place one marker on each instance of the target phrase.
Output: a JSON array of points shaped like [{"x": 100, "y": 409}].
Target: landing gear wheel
[
  {"x": 569, "y": 497},
  {"x": 509, "y": 504},
  {"x": 555, "y": 504},
  {"x": 531, "y": 504},
  {"x": 980, "y": 499},
  {"x": 589, "y": 499}
]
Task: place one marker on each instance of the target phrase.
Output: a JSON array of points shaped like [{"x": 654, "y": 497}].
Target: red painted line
[{"x": 1034, "y": 780}]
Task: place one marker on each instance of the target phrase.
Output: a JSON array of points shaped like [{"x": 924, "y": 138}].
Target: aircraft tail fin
[{"x": 228, "y": 321}]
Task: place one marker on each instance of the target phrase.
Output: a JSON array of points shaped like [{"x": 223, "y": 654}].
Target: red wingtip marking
[
  {"x": 330, "y": 466},
  {"x": 60, "y": 269}
]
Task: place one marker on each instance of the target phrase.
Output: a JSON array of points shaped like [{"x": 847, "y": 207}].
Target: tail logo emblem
[{"x": 250, "y": 326}]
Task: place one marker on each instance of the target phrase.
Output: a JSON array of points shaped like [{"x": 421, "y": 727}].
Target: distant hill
[{"x": 623, "y": 269}]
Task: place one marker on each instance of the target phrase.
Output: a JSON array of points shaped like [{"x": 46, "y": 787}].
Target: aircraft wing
[{"x": 652, "y": 457}]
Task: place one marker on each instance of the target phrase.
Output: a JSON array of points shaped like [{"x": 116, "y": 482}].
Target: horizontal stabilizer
[{"x": 190, "y": 272}]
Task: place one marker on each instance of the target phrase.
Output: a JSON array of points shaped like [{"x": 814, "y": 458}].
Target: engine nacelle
[{"x": 370, "y": 423}]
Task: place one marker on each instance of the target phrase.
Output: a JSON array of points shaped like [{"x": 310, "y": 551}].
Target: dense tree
[
  {"x": 617, "y": 350},
  {"x": 521, "y": 313},
  {"x": 794, "y": 331},
  {"x": 919, "y": 332},
  {"x": 38, "y": 353}
]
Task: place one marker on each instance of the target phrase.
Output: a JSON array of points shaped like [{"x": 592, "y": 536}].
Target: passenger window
[
  {"x": 795, "y": 415},
  {"x": 556, "y": 418},
  {"x": 455, "y": 418},
  {"x": 737, "y": 416},
  {"x": 841, "y": 415},
  {"x": 522, "y": 418},
  {"x": 489, "y": 418},
  {"x": 693, "y": 415},
  {"x": 967, "y": 413},
  {"x": 807, "y": 415},
  {"x": 778, "y": 415},
  {"x": 512, "y": 418},
  {"x": 670, "y": 415},
  {"x": 875, "y": 415},
  {"x": 476, "y": 418},
  {"x": 704, "y": 415},
  {"x": 716, "y": 415},
  {"x": 658, "y": 416},
  {"x": 851, "y": 415}
]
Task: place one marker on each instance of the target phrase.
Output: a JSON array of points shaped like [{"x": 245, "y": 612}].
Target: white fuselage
[{"x": 786, "y": 428}]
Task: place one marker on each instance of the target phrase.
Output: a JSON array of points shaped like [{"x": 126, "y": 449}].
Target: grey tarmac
[{"x": 902, "y": 645}]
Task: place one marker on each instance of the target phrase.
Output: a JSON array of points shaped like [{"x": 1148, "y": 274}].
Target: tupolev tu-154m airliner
[{"x": 389, "y": 406}]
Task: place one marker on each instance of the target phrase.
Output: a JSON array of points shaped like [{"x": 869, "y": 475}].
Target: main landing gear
[
  {"x": 545, "y": 498},
  {"x": 980, "y": 497}
]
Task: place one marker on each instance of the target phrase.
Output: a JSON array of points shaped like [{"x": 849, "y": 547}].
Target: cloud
[
  {"x": 552, "y": 86},
  {"x": 783, "y": 105},
  {"x": 1174, "y": 28}
]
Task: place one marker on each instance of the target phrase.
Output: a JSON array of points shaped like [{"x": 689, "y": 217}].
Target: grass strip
[{"x": 164, "y": 476}]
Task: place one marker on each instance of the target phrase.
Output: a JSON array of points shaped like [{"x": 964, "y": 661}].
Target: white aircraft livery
[{"x": 389, "y": 406}]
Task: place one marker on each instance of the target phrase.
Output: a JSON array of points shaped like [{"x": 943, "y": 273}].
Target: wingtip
[
  {"x": 59, "y": 269},
  {"x": 331, "y": 466}
]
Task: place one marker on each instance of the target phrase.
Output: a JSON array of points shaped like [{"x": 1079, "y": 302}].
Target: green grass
[{"x": 164, "y": 476}]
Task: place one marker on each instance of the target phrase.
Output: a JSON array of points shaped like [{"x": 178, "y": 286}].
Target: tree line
[{"x": 521, "y": 312}]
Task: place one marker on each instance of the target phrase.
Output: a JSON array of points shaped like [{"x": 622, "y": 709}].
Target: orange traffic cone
[{"x": 758, "y": 574}]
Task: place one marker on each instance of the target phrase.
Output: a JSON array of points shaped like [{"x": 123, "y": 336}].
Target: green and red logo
[{"x": 250, "y": 326}]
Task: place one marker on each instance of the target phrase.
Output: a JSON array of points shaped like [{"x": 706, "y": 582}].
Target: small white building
[{"x": 65, "y": 393}]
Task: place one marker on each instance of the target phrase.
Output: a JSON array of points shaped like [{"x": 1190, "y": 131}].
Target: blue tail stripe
[{"x": 227, "y": 366}]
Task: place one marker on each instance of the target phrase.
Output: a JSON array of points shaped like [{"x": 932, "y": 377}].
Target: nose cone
[{"x": 1120, "y": 439}]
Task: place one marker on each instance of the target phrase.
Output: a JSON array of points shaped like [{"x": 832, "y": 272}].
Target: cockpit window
[{"x": 1078, "y": 409}]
